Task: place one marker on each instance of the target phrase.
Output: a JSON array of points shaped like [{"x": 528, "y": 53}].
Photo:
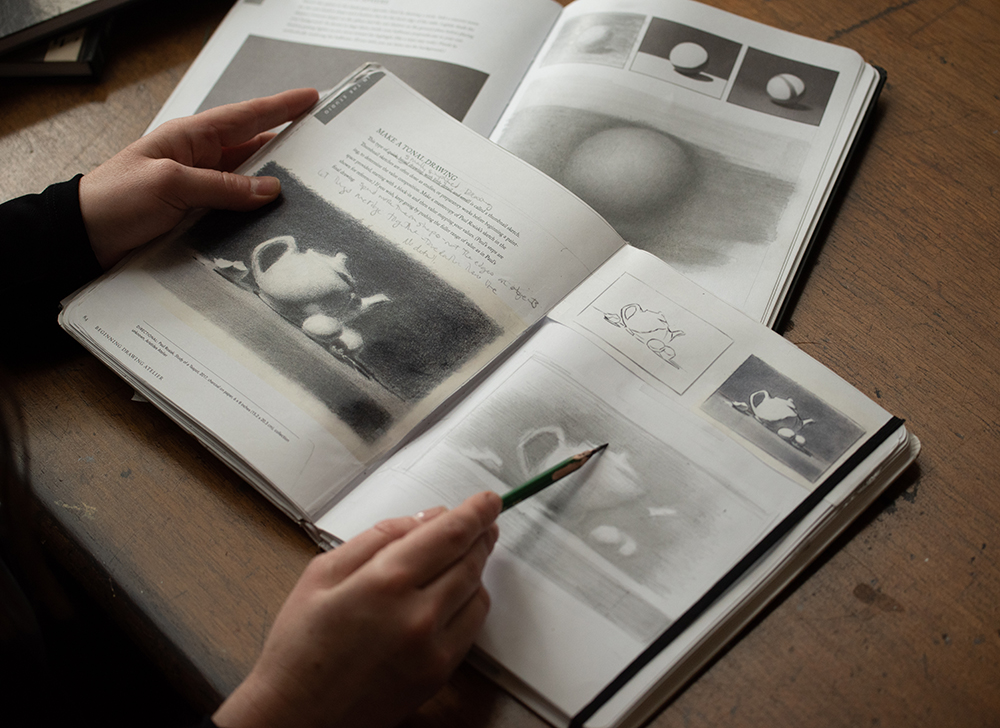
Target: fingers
[
  {"x": 453, "y": 588},
  {"x": 190, "y": 187},
  {"x": 236, "y": 123},
  {"x": 202, "y": 140},
  {"x": 221, "y": 139},
  {"x": 427, "y": 552},
  {"x": 347, "y": 558},
  {"x": 233, "y": 157}
]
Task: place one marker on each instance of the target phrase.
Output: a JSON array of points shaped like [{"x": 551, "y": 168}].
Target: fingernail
[
  {"x": 430, "y": 513},
  {"x": 495, "y": 500},
  {"x": 265, "y": 186}
]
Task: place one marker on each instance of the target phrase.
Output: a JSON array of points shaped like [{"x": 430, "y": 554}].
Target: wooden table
[{"x": 899, "y": 624}]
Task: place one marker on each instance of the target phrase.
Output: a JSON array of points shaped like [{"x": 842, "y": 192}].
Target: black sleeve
[{"x": 46, "y": 256}]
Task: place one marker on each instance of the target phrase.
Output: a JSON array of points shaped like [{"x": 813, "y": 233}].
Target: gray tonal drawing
[
  {"x": 783, "y": 418},
  {"x": 606, "y": 39},
  {"x": 643, "y": 512},
  {"x": 331, "y": 304}
]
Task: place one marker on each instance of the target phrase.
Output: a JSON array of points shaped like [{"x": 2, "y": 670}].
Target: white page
[
  {"x": 588, "y": 573},
  {"x": 430, "y": 251},
  {"x": 701, "y": 167},
  {"x": 467, "y": 55},
  {"x": 717, "y": 427}
]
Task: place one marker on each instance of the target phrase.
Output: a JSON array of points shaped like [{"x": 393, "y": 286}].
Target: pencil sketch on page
[
  {"x": 606, "y": 39},
  {"x": 784, "y": 419},
  {"x": 687, "y": 57},
  {"x": 783, "y": 87},
  {"x": 329, "y": 303},
  {"x": 669, "y": 187},
  {"x": 632, "y": 534},
  {"x": 660, "y": 336}
]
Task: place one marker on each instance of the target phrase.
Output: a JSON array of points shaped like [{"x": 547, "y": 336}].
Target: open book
[
  {"x": 711, "y": 141},
  {"x": 421, "y": 316}
]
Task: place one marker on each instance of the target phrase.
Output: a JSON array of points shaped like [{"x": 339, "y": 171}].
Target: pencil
[{"x": 557, "y": 472}]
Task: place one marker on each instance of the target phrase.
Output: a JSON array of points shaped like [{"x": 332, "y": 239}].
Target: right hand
[{"x": 375, "y": 627}]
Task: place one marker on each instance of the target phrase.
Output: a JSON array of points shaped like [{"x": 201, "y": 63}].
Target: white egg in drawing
[
  {"x": 688, "y": 58},
  {"x": 593, "y": 39},
  {"x": 786, "y": 88},
  {"x": 607, "y": 535},
  {"x": 627, "y": 171},
  {"x": 322, "y": 328},
  {"x": 610, "y": 536}
]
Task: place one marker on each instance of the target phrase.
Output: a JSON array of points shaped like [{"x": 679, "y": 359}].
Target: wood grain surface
[{"x": 898, "y": 623}]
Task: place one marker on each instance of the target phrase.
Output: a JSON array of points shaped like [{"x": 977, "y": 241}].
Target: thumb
[{"x": 212, "y": 189}]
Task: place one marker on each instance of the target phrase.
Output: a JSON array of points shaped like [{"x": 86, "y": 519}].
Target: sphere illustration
[
  {"x": 593, "y": 39},
  {"x": 627, "y": 171},
  {"x": 786, "y": 88},
  {"x": 688, "y": 58}
]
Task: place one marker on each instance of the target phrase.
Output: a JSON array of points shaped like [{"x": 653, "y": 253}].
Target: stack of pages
[
  {"x": 423, "y": 315},
  {"x": 712, "y": 142}
]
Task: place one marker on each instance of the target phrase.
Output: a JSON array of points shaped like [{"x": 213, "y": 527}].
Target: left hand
[{"x": 147, "y": 188}]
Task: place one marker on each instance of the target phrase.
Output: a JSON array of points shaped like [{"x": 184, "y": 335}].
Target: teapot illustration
[
  {"x": 543, "y": 447},
  {"x": 312, "y": 289},
  {"x": 639, "y": 321},
  {"x": 648, "y": 326},
  {"x": 297, "y": 278},
  {"x": 779, "y": 415}
]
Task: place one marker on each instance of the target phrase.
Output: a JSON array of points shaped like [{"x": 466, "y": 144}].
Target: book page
[
  {"x": 466, "y": 56},
  {"x": 404, "y": 254},
  {"x": 717, "y": 430},
  {"x": 702, "y": 137}
]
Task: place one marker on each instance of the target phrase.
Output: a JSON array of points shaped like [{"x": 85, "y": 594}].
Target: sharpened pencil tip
[{"x": 598, "y": 449}]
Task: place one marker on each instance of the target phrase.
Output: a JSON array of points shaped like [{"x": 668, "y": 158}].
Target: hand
[
  {"x": 148, "y": 187},
  {"x": 373, "y": 628}
]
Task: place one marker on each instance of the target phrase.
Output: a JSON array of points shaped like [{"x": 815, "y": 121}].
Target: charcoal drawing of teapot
[
  {"x": 778, "y": 414},
  {"x": 312, "y": 289}
]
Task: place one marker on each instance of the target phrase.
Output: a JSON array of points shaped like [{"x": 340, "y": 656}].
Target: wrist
[{"x": 91, "y": 210}]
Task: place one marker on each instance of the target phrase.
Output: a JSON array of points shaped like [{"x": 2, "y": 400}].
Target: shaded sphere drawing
[
  {"x": 688, "y": 58},
  {"x": 594, "y": 39},
  {"x": 627, "y": 171},
  {"x": 786, "y": 88}
]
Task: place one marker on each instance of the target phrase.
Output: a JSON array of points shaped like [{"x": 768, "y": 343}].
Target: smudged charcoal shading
[
  {"x": 711, "y": 201},
  {"x": 423, "y": 333},
  {"x": 830, "y": 433}
]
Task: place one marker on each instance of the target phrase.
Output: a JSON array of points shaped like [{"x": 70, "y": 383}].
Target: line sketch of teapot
[
  {"x": 312, "y": 289},
  {"x": 648, "y": 326}
]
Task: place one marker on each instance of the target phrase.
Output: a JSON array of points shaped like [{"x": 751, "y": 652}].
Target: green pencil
[{"x": 557, "y": 472}]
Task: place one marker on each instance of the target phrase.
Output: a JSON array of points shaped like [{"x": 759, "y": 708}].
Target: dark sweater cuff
[
  {"x": 47, "y": 256},
  {"x": 75, "y": 263}
]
